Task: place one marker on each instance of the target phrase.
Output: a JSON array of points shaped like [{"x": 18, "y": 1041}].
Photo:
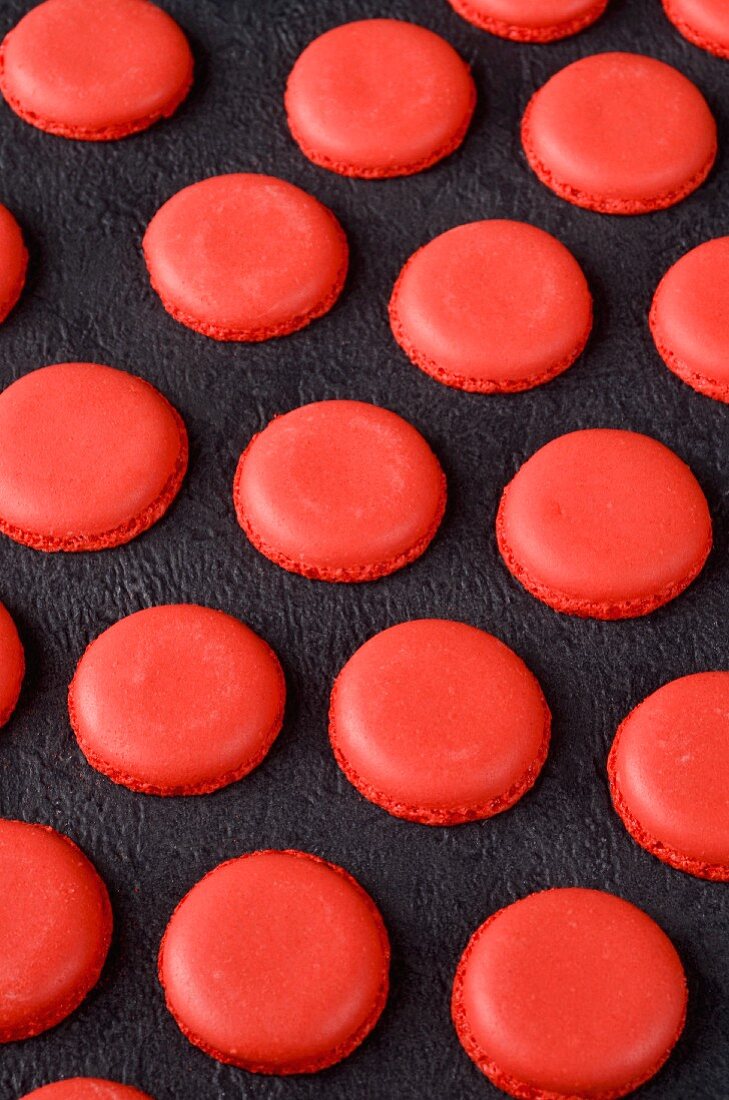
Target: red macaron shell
[
  {"x": 689, "y": 318},
  {"x": 620, "y": 133},
  {"x": 569, "y": 994},
  {"x": 339, "y": 491},
  {"x": 90, "y": 457},
  {"x": 531, "y": 20},
  {"x": 55, "y": 928},
  {"x": 178, "y": 699},
  {"x": 12, "y": 665},
  {"x": 95, "y": 71},
  {"x": 245, "y": 257},
  {"x": 604, "y": 524},
  {"x": 705, "y": 23},
  {"x": 86, "y": 1088},
  {"x": 276, "y": 962},
  {"x": 438, "y": 722},
  {"x": 13, "y": 262},
  {"x": 669, "y": 774},
  {"x": 379, "y": 98},
  {"x": 492, "y": 307}
]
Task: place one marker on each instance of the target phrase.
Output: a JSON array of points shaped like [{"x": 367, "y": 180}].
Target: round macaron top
[
  {"x": 86, "y": 1088},
  {"x": 245, "y": 257},
  {"x": 379, "y": 97},
  {"x": 688, "y": 318},
  {"x": 55, "y": 928},
  {"x": 178, "y": 699},
  {"x": 439, "y": 722},
  {"x": 12, "y": 665},
  {"x": 13, "y": 261},
  {"x": 703, "y": 22},
  {"x": 90, "y": 456},
  {"x": 569, "y": 993},
  {"x": 620, "y": 133},
  {"x": 493, "y": 306},
  {"x": 95, "y": 71},
  {"x": 339, "y": 491},
  {"x": 276, "y": 962},
  {"x": 669, "y": 774},
  {"x": 604, "y": 523},
  {"x": 531, "y": 20}
]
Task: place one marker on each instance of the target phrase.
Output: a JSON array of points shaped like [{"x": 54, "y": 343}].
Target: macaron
[
  {"x": 55, "y": 928},
  {"x": 90, "y": 457},
  {"x": 569, "y": 994},
  {"x": 604, "y": 524},
  {"x": 339, "y": 491},
  {"x": 439, "y": 722},
  {"x": 178, "y": 699},
  {"x": 620, "y": 133},
  {"x": 688, "y": 318},
  {"x": 95, "y": 71},
  {"x": 379, "y": 98},
  {"x": 86, "y": 1088},
  {"x": 13, "y": 262},
  {"x": 276, "y": 962},
  {"x": 12, "y": 665},
  {"x": 463, "y": 308},
  {"x": 669, "y": 773},
  {"x": 705, "y": 23},
  {"x": 245, "y": 257},
  {"x": 531, "y": 20}
]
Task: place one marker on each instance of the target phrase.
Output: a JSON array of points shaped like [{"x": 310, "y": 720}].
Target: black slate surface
[{"x": 83, "y": 209}]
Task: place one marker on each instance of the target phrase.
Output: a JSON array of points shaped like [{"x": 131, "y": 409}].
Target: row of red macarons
[{"x": 256, "y": 979}]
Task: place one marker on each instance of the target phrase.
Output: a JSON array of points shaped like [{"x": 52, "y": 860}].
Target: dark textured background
[{"x": 83, "y": 209}]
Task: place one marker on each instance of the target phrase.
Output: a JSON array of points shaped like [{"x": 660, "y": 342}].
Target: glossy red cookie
[
  {"x": 55, "y": 928},
  {"x": 245, "y": 257},
  {"x": 620, "y": 133},
  {"x": 464, "y": 308},
  {"x": 86, "y": 1088},
  {"x": 12, "y": 665},
  {"x": 605, "y": 524},
  {"x": 13, "y": 262},
  {"x": 95, "y": 71},
  {"x": 688, "y": 318},
  {"x": 438, "y": 722},
  {"x": 669, "y": 774},
  {"x": 569, "y": 994},
  {"x": 531, "y": 20},
  {"x": 379, "y": 97},
  {"x": 276, "y": 962},
  {"x": 178, "y": 699},
  {"x": 339, "y": 491},
  {"x": 703, "y": 22},
  {"x": 90, "y": 457}
]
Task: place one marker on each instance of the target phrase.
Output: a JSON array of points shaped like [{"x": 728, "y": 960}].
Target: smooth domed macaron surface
[
  {"x": 669, "y": 774},
  {"x": 605, "y": 524},
  {"x": 90, "y": 457},
  {"x": 95, "y": 71},
  {"x": 178, "y": 699},
  {"x": 13, "y": 262},
  {"x": 688, "y": 318},
  {"x": 12, "y": 665},
  {"x": 705, "y": 23},
  {"x": 379, "y": 98},
  {"x": 438, "y": 722},
  {"x": 620, "y": 133},
  {"x": 569, "y": 993},
  {"x": 245, "y": 257},
  {"x": 531, "y": 20},
  {"x": 276, "y": 962},
  {"x": 492, "y": 307},
  {"x": 86, "y": 1088},
  {"x": 339, "y": 491},
  {"x": 55, "y": 928}
]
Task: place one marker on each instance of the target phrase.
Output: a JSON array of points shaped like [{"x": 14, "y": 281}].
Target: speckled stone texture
[{"x": 83, "y": 210}]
